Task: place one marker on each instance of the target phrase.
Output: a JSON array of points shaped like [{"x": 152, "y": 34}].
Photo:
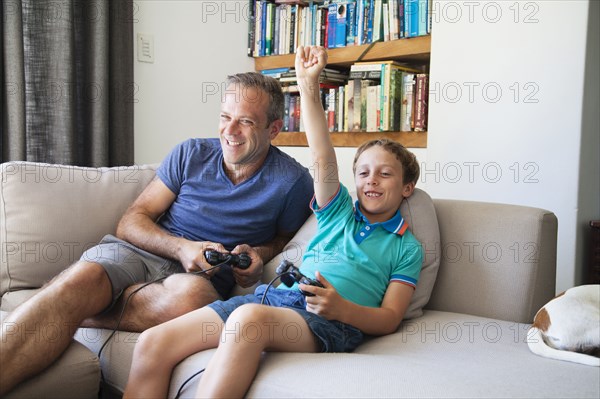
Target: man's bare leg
[
  {"x": 79, "y": 292},
  {"x": 156, "y": 303}
]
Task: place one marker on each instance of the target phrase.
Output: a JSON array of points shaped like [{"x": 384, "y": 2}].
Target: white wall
[
  {"x": 521, "y": 149},
  {"x": 196, "y": 45},
  {"x": 512, "y": 133}
]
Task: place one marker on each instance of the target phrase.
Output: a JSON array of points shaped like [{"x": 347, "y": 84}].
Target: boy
[{"x": 365, "y": 290}]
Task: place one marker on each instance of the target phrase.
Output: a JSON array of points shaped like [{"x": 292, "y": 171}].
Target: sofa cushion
[
  {"x": 419, "y": 213},
  {"x": 498, "y": 260},
  {"x": 439, "y": 355},
  {"x": 45, "y": 228}
]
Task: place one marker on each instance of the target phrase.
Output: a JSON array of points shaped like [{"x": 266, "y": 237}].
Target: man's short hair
[{"x": 265, "y": 83}]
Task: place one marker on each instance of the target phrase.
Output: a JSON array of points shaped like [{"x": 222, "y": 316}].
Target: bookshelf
[{"x": 414, "y": 50}]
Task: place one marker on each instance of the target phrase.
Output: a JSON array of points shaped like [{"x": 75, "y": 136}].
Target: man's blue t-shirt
[{"x": 209, "y": 207}]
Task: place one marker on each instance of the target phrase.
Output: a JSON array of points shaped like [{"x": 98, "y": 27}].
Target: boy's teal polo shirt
[{"x": 358, "y": 258}]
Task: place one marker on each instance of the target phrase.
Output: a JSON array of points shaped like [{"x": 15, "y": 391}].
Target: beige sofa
[{"x": 495, "y": 266}]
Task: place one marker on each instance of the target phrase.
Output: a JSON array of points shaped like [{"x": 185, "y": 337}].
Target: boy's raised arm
[{"x": 310, "y": 61}]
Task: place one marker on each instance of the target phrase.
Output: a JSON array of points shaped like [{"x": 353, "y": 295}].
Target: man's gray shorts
[{"x": 126, "y": 265}]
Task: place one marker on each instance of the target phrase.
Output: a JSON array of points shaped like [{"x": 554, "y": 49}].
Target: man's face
[{"x": 243, "y": 129}]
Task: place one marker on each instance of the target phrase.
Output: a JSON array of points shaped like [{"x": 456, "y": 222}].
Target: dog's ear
[{"x": 542, "y": 320}]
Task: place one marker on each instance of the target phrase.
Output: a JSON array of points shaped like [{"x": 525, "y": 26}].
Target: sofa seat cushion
[
  {"x": 78, "y": 365},
  {"x": 10, "y": 300},
  {"x": 439, "y": 354}
]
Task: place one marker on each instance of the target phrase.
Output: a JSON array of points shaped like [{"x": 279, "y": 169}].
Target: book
[
  {"x": 406, "y": 107},
  {"x": 331, "y": 25},
  {"x": 411, "y": 18},
  {"x": 372, "y": 109},
  {"x": 421, "y": 99},
  {"x": 349, "y": 106},
  {"x": 340, "y": 108},
  {"x": 423, "y": 17},
  {"x": 386, "y": 20},
  {"x": 251, "y": 27},
  {"x": 258, "y": 38},
  {"x": 331, "y": 104},
  {"x": 369, "y": 20},
  {"x": 393, "y": 19},
  {"x": 377, "y": 21},
  {"x": 340, "y": 25},
  {"x": 395, "y": 100},
  {"x": 276, "y": 30},
  {"x": 350, "y": 22}
]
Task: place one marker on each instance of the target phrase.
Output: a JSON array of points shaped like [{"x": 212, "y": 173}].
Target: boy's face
[
  {"x": 379, "y": 184},
  {"x": 243, "y": 129}
]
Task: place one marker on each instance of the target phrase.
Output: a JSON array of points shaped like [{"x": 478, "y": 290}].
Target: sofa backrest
[
  {"x": 497, "y": 261},
  {"x": 49, "y": 214}
]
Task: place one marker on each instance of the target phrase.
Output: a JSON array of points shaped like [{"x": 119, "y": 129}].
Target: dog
[{"x": 568, "y": 327}]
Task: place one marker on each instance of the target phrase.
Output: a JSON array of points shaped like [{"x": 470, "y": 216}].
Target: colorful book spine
[
  {"x": 340, "y": 108},
  {"x": 251, "y": 26},
  {"x": 386, "y": 20},
  {"x": 401, "y": 19},
  {"x": 377, "y": 21},
  {"x": 411, "y": 17},
  {"x": 331, "y": 25},
  {"x": 393, "y": 19},
  {"x": 276, "y": 30},
  {"x": 421, "y": 99},
  {"x": 350, "y": 22},
  {"x": 406, "y": 109},
  {"x": 395, "y": 99},
  {"x": 369, "y": 18},
  {"x": 423, "y": 17},
  {"x": 349, "y": 120},
  {"x": 341, "y": 25}
]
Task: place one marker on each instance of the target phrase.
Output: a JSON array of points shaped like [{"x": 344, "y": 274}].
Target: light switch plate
[{"x": 145, "y": 47}]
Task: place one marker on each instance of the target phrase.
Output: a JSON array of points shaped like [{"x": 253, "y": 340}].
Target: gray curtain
[{"x": 67, "y": 81}]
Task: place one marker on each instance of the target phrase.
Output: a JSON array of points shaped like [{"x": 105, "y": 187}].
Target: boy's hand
[
  {"x": 326, "y": 302},
  {"x": 310, "y": 61}
]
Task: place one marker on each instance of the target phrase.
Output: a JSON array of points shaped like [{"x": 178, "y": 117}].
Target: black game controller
[
  {"x": 241, "y": 261},
  {"x": 290, "y": 274}
]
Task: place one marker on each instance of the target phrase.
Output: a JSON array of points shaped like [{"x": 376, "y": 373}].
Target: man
[{"x": 237, "y": 194}]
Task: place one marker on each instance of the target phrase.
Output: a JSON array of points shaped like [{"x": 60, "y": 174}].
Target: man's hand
[
  {"x": 248, "y": 277},
  {"x": 191, "y": 256},
  {"x": 326, "y": 302}
]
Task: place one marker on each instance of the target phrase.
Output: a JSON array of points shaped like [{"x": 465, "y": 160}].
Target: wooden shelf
[
  {"x": 414, "y": 50},
  {"x": 355, "y": 139}
]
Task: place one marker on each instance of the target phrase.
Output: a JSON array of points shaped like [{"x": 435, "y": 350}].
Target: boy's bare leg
[
  {"x": 156, "y": 303},
  {"x": 161, "y": 348},
  {"x": 81, "y": 291},
  {"x": 238, "y": 356}
]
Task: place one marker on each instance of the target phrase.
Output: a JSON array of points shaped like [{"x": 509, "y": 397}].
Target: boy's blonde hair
[{"x": 410, "y": 166}]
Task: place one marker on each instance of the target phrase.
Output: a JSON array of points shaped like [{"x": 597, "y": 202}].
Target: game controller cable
[
  {"x": 286, "y": 271},
  {"x": 157, "y": 279}
]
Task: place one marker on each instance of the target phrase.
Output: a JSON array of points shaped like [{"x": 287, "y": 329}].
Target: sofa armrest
[{"x": 498, "y": 261}]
